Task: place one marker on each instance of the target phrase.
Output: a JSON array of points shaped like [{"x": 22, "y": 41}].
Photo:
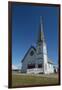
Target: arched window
[{"x": 32, "y": 53}]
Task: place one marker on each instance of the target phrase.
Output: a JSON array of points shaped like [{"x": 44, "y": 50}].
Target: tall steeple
[
  {"x": 41, "y": 48},
  {"x": 40, "y": 33}
]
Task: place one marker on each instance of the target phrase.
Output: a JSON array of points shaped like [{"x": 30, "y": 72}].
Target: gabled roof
[
  {"x": 50, "y": 61},
  {"x": 28, "y": 52}
]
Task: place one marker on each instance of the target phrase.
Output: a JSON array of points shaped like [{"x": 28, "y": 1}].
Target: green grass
[{"x": 19, "y": 80}]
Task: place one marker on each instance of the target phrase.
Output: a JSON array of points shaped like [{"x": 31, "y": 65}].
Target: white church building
[{"x": 36, "y": 59}]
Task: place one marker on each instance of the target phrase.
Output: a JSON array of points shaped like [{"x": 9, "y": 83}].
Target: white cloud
[{"x": 14, "y": 67}]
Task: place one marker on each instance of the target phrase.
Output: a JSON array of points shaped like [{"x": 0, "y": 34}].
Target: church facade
[{"x": 36, "y": 59}]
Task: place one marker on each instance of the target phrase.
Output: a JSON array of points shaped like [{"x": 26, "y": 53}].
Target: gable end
[{"x": 28, "y": 52}]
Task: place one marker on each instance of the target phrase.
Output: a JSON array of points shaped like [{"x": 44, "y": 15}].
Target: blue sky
[{"x": 25, "y": 26}]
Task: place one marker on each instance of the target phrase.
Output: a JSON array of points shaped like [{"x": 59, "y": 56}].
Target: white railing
[{"x": 35, "y": 70}]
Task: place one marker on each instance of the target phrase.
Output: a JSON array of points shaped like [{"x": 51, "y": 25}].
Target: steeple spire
[{"x": 41, "y": 34}]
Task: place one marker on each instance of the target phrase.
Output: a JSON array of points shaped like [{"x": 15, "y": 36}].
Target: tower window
[
  {"x": 39, "y": 50},
  {"x": 31, "y": 53}
]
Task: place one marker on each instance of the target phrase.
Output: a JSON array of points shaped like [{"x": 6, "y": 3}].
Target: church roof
[
  {"x": 28, "y": 52},
  {"x": 50, "y": 61}
]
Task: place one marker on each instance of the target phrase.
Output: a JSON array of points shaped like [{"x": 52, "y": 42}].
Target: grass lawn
[{"x": 19, "y": 80}]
